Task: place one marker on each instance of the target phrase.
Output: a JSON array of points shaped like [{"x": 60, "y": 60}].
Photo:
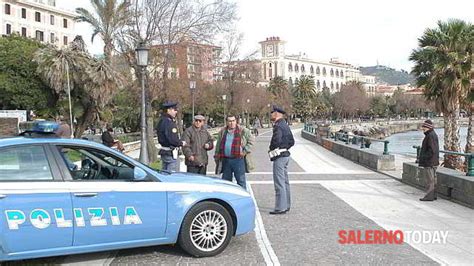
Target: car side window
[
  {"x": 24, "y": 163},
  {"x": 95, "y": 165}
]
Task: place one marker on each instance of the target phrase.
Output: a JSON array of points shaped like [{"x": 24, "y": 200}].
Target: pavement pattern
[{"x": 329, "y": 193}]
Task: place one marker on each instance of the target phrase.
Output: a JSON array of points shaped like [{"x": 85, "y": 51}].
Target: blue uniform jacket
[
  {"x": 167, "y": 132},
  {"x": 282, "y": 137}
]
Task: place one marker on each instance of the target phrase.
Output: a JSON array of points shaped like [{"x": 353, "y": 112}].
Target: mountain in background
[{"x": 388, "y": 75}]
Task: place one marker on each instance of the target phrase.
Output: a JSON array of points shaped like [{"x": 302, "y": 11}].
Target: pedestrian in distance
[
  {"x": 64, "y": 130},
  {"x": 168, "y": 137},
  {"x": 199, "y": 142},
  {"x": 233, "y": 151},
  {"x": 429, "y": 159},
  {"x": 282, "y": 140},
  {"x": 109, "y": 140}
]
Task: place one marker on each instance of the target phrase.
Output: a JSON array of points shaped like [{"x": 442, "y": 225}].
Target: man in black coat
[
  {"x": 282, "y": 141},
  {"x": 429, "y": 158}
]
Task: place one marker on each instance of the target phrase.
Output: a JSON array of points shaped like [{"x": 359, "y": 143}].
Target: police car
[{"x": 68, "y": 196}]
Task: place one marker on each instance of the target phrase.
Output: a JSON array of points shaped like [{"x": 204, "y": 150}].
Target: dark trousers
[
  {"x": 431, "y": 182},
  {"x": 235, "y": 167},
  {"x": 202, "y": 170}
]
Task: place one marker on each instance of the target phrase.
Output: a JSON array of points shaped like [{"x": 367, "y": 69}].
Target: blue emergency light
[{"x": 39, "y": 127}]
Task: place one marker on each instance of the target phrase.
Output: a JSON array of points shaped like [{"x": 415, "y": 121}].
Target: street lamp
[
  {"x": 192, "y": 88},
  {"x": 224, "y": 98},
  {"x": 248, "y": 115},
  {"x": 142, "y": 62},
  {"x": 269, "y": 116}
]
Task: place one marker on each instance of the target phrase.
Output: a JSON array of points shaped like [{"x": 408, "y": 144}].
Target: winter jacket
[
  {"x": 429, "y": 153},
  {"x": 195, "y": 140}
]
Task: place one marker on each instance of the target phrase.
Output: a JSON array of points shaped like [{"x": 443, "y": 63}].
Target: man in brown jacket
[{"x": 199, "y": 142}]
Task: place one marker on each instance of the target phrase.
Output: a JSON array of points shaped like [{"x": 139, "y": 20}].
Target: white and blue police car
[{"x": 69, "y": 196}]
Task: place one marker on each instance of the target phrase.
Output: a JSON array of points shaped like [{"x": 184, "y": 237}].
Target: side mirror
[{"x": 139, "y": 174}]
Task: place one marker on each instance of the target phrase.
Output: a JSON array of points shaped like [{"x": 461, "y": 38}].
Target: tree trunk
[
  {"x": 470, "y": 135},
  {"x": 152, "y": 151},
  {"x": 451, "y": 139},
  {"x": 87, "y": 118}
]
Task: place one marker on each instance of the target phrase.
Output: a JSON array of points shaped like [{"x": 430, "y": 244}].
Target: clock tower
[{"x": 273, "y": 53}]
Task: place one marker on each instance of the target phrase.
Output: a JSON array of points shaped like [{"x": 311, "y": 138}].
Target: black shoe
[
  {"x": 278, "y": 212},
  {"x": 425, "y": 199}
]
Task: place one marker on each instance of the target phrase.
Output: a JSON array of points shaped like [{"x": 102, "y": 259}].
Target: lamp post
[
  {"x": 248, "y": 115},
  {"x": 269, "y": 116},
  {"x": 224, "y": 98},
  {"x": 142, "y": 62},
  {"x": 192, "y": 88}
]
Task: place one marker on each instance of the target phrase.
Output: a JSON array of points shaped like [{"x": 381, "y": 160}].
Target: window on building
[
  {"x": 290, "y": 67},
  {"x": 324, "y": 84},
  {"x": 9, "y": 29},
  {"x": 332, "y": 72},
  {"x": 296, "y": 81},
  {"x": 7, "y": 9},
  {"x": 332, "y": 85},
  {"x": 39, "y": 35},
  {"x": 65, "y": 23},
  {"x": 65, "y": 42},
  {"x": 297, "y": 68},
  {"x": 52, "y": 38},
  {"x": 302, "y": 68},
  {"x": 37, "y": 16},
  {"x": 337, "y": 73},
  {"x": 342, "y": 74},
  {"x": 324, "y": 71},
  {"x": 318, "y": 84},
  {"x": 318, "y": 71},
  {"x": 311, "y": 70},
  {"x": 23, "y": 13},
  {"x": 23, "y": 32},
  {"x": 290, "y": 82},
  {"x": 51, "y": 19},
  {"x": 337, "y": 85}
]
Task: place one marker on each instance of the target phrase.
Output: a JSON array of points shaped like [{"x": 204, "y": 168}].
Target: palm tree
[
  {"x": 107, "y": 20},
  {"x": 443, "y": 62},
  {"x": 90, "y": 82},
  {"x": 304, "y": 97},
  {"x": 277, "y": 86}
]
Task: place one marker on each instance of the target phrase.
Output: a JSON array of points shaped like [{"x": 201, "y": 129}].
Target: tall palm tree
[
  {"x": 277, "y": 86},
  {"x": 107, "y": 19},
  {"x": 91, "y": 82},
  {"x": 304, "y": 97},
  {"x": 443, "y": 62}
]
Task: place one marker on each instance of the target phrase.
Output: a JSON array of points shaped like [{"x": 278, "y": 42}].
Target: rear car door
[
  {"x": 35, "y": 204},
  {"x": 108, "y": 205}
]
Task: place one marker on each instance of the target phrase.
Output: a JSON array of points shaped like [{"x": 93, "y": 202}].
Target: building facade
[
  {"x": 331, "y": 75},
  {"x": 39, "y": 19},
  {"x": 194, "y": 61}
]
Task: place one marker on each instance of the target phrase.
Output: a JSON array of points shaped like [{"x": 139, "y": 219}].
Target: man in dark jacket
[
  {"x": 282, "y": 141},
  {"x": 199, "y": 142},
  {"x": 168, "y": 137},
  {"x": 429, "y": 158}
]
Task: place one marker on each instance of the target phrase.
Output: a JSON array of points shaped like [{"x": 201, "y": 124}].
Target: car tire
[{"x": 206, "y": 230}]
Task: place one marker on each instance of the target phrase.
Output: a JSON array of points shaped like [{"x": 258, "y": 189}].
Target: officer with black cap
[
  {"x": 282, "y": 140},
  {"x": 167, "y": 132}
]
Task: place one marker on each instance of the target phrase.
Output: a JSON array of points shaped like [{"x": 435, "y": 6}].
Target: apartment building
[{"x": 39, "y": 19}]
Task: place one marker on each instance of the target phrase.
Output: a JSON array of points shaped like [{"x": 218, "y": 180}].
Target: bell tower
[{"x": 273, "y": 53}]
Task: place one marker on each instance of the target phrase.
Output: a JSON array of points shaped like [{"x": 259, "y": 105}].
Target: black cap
[
  {"x": 169, "y": 104},
  {"x": 278, "y": 109}
]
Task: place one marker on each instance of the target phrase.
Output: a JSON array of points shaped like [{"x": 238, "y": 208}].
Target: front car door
[
  {"x": 35, "y": 203},
  {"x": 109, "y": 207}
]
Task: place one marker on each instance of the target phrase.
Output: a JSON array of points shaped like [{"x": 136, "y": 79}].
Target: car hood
[{"x": 181, "y": 177}]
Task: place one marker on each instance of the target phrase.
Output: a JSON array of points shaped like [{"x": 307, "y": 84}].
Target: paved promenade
[{"x": 329, "y": 194}]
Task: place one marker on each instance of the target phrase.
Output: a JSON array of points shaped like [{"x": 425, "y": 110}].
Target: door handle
[
  {"x": 2, "y": 196},
  {"x": 86, "y": 195}
]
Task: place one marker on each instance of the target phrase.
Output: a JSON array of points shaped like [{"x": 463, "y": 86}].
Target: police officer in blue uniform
[
  {"x": 168, "y": 137},
  {"x": 282, "y": 140}
]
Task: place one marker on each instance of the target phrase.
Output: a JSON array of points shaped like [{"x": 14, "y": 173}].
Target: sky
[{"x": 359, "y": 32}]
